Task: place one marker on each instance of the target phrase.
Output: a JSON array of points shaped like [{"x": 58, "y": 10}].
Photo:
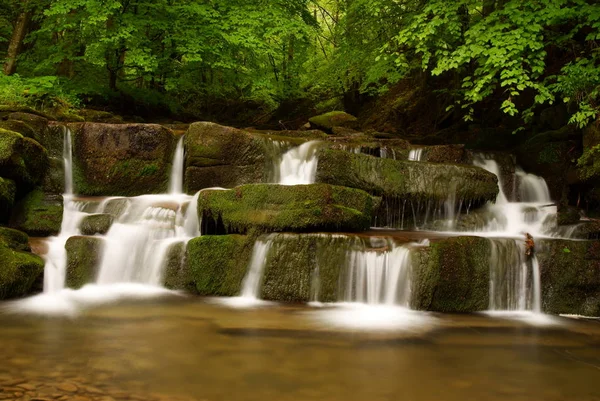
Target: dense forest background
[{"x": 405, "y": 66}]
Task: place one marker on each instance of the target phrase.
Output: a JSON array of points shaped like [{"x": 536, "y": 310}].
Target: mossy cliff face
[
  {"x": 126, "y": 159},
  {"x": 219, "y": 156},
  {"x": 405, "y": 179},
  {"x": 214, "y": 265},
  {"x": 22, "y": 160},
  {"x": 570, "y": 276},
  {"x": 83, "y": 260},
  {"x": 452, "y": 275},
  {"x": 38, "y": 214},
  {"x": 273, "y": 208},
  {"x": 20, "y": 269}
]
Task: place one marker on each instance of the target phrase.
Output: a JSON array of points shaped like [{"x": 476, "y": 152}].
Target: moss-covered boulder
[
  {"x": 219, "y": 156},
  {"x": 83, "y": 260},
  {"x": 570, "y": 276},
  {"x": 20, "y": 269},
  {"x": 121, "y": 159},
  {"x": 18, "y": 126},
  {"x": 96, "y": 224},
  {"x": 38, "y": 214},
  {"x": 406, "y": 180},
  {"x": 22, "y": 160},
  {"x": 272, "y": 208},
  {"x": 326, "y": 122},
  {"x": 215, "y": 265},
  {"x": 452, "y": 275},
  {"x": 7, "y": 198}
]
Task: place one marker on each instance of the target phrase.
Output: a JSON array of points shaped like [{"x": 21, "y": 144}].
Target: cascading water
[
  {"x": 415, "y": 155},
  {"x": 378, "y": 277},
  {"x": 253, "y": 280},
  {"x": 299, "y": 165},
  {"x": 176, "y": 180}
]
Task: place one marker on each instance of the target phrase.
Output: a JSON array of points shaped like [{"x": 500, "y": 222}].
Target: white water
[
  {"x": 299, "y": 165},
  {"x": 252, "y": 282},
  {"x": 378, "y": 277},
  {"x": 176, "y": 180},
  {"x": 415, "y": 155}
]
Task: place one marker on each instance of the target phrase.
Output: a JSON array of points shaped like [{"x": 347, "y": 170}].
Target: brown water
[{"x": 193, "y": 349}]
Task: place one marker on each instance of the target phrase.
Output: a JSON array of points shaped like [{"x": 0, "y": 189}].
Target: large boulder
[
  {"x": 83, "y": 259},
  {"x": 20, "y": 269},
  {"x": 125, "y": 159},
  {"x": 326, "y": 122},
  {"x": 22, "y": 160},
  {"x": 215, "y": 265},
  {"x": 272, "y": 208},
  {"x": 570, "y": 276},
  {"x": 219, "y": 156},
  {"x": 38, "y": 214},
  {"x": 406, "y": 180},
  {"x": 452, "y": 275}
]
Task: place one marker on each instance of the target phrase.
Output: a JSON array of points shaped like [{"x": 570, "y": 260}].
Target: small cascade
[
  {"x": 514, "y": 277},
  {"x": 68, "y": 160},
  {"x": 252, "y": 282},
  {"x": 176, "y": 180},
  {"x": 532, "y": 188},
  {"x": 379, "y": 276},
  {"x": 299, "y": 165},
  {"x": 415, "y": 154}
]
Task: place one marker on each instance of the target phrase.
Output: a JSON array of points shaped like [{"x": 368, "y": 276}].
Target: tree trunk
[{"x": 16, "y": 42}]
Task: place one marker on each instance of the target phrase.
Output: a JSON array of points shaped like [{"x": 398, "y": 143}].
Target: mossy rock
[
  {"x": 35, "y": 121},
  {"x": 6, "y": 110},
  {"x": 22, "y": 160},
  {"x": 311, "y": 134},
  {"x": 18, "y": 126},
  {"x": 20, "y": 269},
  {"x": 96, "y": 224},
  {"x": 54, "y": 180},
  {"x": 99, "y": 116},
  {"x": 570, "y": 276},
  {"x": 38, "y": 214},
  {"x": 84, "y": 256},
  {"x": 406, "y": 180},
  {"x": 567, "y": 215},
  {"x": 124, "y": 160},
  {"x": 216, "y": 265},
  {"x": 326, "y": 122},
  {"x": 177, "y": 274},
  {"x": 7, "y": 198},
  {"x": 452, "y": 275},
  {"x": 453, "y": 154},
  {"x": 219, "y": 156},
  {"x": 273, "y": 208}
]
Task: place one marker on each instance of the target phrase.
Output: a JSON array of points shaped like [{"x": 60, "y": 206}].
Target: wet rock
[
  {"x": 20, "y": 268},
  {"x": 38, "y": 214},
  {"x": 570, "y": 276},
  {"x": 68, "y": 387},
  {"x": 567, "y": 215},
  {"x": 96, "y": 224},
  {"x": 272, "y": 208},
  {"x": 328, "y": 121},
  {"x": 22, "y": 160},
  {"x": 453, "y": 154},
  {"x": 83, "y": 259},
  {"x": 452, "y": 275},
  {"x": 121, "y": 159},
  {"x": 219, "y": 156},
  {"x": 406, "y": 180}
]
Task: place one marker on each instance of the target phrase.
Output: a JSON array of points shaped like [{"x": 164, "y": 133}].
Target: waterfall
[
  {"x": 176, "y": 180},
  {"x": 532, "y": 188},
  {"x": 378, "y": 277},
  {"x": 514, "y": 277},
  {"x": 252, "y": 282},
  {"x": 68, "y": 160},
  {"x": 299, "y": 165},
  {"x": 415, "y": 155}
]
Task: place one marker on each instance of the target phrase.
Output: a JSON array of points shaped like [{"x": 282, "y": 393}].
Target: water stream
[{"x": 299, "y": 165}]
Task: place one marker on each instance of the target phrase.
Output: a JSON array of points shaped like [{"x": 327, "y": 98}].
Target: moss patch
[
  {"x": 19, "y": 269},
  {"x": 83, "y": 259},
  {"x": 38, "y": 214},
  {"x": 271, "y": 208},
  {"x": 327, "y": 121}
]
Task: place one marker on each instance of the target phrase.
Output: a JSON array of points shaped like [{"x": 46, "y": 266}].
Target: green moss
[
  {"x": 570, "y": 280},
  {"x": 217, "y": 264},
  {"x": 38, "y": 214},
  {"x": 22, "y": 160},
  {"x": 83, "y": 259},
  {"x": 96, "y": 224},
  {"x": 18, "y": 126},
  {"x": 7, "y": 198},
  {"x": 19, "y": 271},
  {"x": 14, "y": 239},
  {"x": 269, "y": 208},
  {"x": 452, "y": 275},
  {"x": 333, "y": 119}
]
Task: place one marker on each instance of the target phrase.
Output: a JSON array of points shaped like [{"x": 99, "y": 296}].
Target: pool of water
[{"x": 186, "y": 348}]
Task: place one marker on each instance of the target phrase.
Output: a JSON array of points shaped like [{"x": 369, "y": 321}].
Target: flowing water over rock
[
  {"x": 299, "y": 165},
  {"x": 176, "y": 180},
  {"x": 415, "y": 155}
]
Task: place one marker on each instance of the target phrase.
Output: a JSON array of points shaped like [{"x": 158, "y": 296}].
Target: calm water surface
[{"x": 198, "y": 349}]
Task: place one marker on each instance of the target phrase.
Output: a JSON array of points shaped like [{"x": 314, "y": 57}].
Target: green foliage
[{"x": 589, "y": 163}]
